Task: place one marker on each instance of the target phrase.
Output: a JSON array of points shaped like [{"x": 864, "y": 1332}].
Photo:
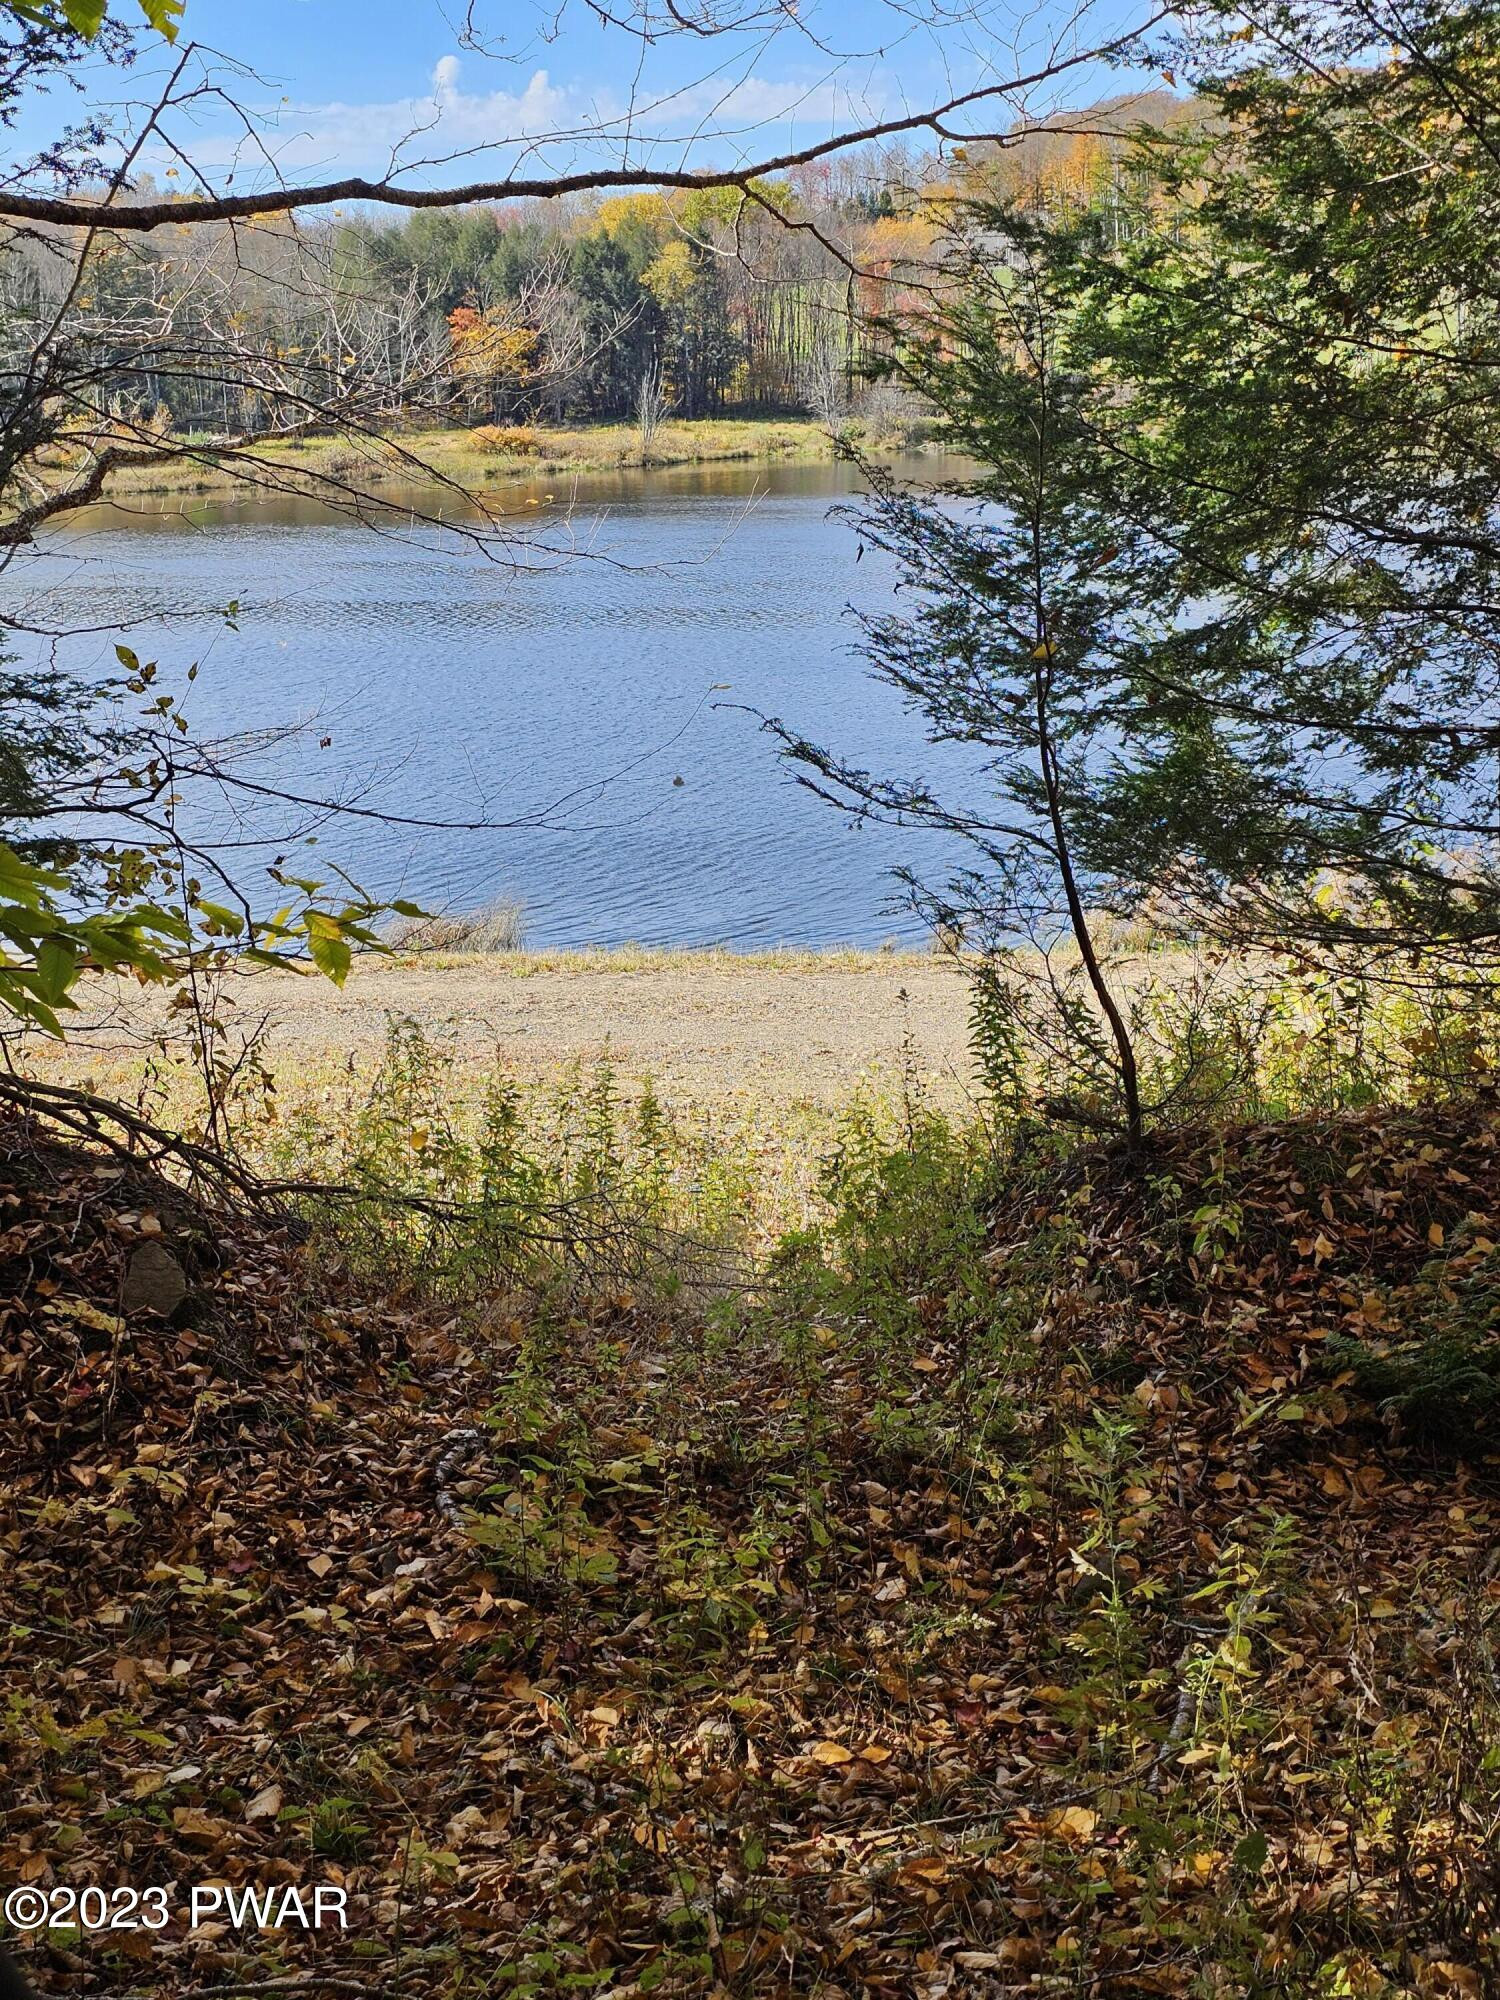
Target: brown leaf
[{"x": 199, "y": 1827}]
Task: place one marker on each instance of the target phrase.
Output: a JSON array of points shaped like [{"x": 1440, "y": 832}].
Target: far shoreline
[{"x": 473, "y": 459}]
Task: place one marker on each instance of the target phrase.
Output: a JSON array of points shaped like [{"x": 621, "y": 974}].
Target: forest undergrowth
[{"x": 1040, "y": 1570}]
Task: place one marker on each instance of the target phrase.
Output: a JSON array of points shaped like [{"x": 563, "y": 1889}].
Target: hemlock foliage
[{"x": 1218, "y": 609}]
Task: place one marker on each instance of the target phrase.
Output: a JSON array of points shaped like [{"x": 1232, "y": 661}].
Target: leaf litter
[{"x": 625, "y": 1657}]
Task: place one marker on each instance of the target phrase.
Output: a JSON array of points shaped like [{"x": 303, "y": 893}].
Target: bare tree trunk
[
  {"x": 1135, "y": 1128},
  {"x": 650, "y": 406},
  {"x": 824, "y": 377}
]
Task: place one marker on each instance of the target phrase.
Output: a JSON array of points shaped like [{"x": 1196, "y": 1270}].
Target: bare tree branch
[{"x": 79, "y": 211}]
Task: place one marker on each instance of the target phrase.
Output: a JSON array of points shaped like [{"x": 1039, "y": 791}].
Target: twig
[
  {"x": 87, "y": 1116},
  {"x": 1186, "y": 1710},
  {"x": 460, "y": 1449},
  {"x": 317, "y": 1982}
]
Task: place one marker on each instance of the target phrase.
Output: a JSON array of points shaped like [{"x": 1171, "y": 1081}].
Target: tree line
[
  {"x": 772, "y": 297},
  {"x": 512, "y": 314}
]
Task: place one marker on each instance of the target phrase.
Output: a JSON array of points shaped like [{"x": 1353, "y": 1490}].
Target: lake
[{"x": 600, "y": 699}]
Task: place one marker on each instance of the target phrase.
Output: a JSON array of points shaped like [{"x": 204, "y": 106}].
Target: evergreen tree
[
  {"x": 1298, "y": 398},
  {"x": 621, "y": 318},
  {"x": 1020, "y": 644},
  {"x": 1221, "y": 608}
]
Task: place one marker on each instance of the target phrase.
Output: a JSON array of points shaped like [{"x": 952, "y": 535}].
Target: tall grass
[
  {"x": 499, "y": 925},
  {"x": 1220, "y": 1040},
  {"x": 462, "y": 1182}
]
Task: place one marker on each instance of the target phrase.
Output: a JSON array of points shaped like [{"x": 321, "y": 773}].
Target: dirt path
[{"x": 701, "y": 1025}]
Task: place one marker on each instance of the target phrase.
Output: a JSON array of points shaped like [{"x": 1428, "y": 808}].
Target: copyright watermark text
[{"x": 278, "y": 1908}]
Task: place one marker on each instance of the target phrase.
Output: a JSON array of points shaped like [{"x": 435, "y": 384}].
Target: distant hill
[{"x": 1081, "y": 148}]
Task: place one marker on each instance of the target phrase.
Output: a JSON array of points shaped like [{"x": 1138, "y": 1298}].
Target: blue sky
[{"x": 365, "y": 86}]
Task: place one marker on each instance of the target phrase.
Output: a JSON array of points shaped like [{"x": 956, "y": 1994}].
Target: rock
[{"x": 154, "y": 1281}]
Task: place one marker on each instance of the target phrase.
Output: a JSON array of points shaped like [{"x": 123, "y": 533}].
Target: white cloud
[
  {"x": 543, "y": 127},
  {"x": 775, "y": 110},
  {"x": 384, "y": 138}
]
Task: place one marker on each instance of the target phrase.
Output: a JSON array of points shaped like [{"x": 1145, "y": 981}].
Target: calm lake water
[{"x": 595, "y": 698}]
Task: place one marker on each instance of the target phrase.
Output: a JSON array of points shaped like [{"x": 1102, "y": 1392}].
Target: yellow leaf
[
  {"x": 1435, "y": 1234},
  {"x": 875, "y": 1753},
  {"x": 1073, "y": 1823},
  {"x": 832, "y": 1753},
  {"x": 83, "y": 1314}
]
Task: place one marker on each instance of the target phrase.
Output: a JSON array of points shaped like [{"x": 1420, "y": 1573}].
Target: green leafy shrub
[{"x": 471, "y": 1187}]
